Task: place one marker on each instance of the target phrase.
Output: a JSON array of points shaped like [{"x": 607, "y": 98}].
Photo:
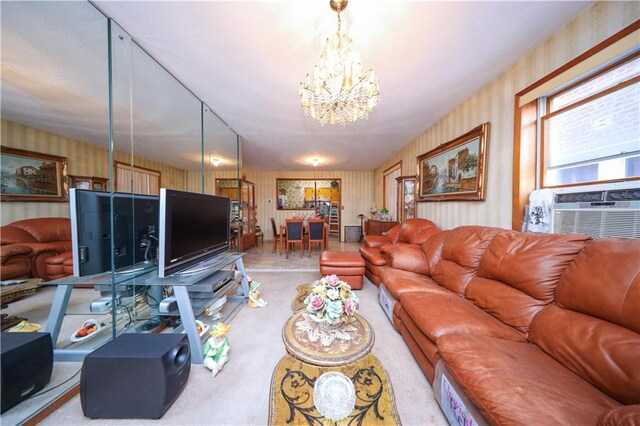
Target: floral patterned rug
[{"x": 291, "y": 395}]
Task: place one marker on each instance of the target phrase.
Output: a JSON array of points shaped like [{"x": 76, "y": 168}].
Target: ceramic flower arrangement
[{"x": 331, "y": 301}]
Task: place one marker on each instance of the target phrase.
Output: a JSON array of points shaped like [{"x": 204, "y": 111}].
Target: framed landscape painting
[
  {"x": 455, "y": 170},
  {"x": 32, "y": 176}
]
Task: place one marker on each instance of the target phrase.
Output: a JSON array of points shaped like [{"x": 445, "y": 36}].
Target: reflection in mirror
[
  {"x": 308, "y": 194},
  {"x": 54, "y": 102},
  {"x": 220, "y": 151}
]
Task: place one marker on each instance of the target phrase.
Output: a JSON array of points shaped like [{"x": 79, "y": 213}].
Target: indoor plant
[{"x": 331, "y": 301}]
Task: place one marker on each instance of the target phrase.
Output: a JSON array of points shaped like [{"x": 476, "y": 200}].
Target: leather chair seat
[{"x": 348, "y": 266}]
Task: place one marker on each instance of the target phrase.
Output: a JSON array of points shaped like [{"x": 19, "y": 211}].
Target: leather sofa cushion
[
  {"x": 416, "y": 230},
  {"x": 517, "y": 383},
  {"x": 393, "y": 234},
  {"x": 375, "y": 241},
  {"x": 12, "y": 235},
  {"x": 439, "y": 314},
  {"x": 372, "y": 255},
  {"x": 399, "y": 282},
  {"x": 627, "y": 415},
  {"x": 13, "y": 250},
  {"x": 408, "y": 257},
  {"x": 603, "y": 353},
  {"x": 531, "y": 263},
  {"x": 461, "y": 252},
  {"x": 519, "y": 272},
  {"x": 45, "y": 230},
  {"x": 604, "y": 282}
]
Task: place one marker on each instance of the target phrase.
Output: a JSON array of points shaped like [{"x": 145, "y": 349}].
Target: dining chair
[
  {"x": 295, "y": 234},
  {"x": 277, "y": 235},
  {"x": 317, "y": 233}
]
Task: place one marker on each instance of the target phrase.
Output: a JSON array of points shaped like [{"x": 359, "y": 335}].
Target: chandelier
[{"x": 339, "y": 91}]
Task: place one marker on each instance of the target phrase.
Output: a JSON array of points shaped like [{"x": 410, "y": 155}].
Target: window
[
  {"x": 545, "y": 152},
  {"x": 591, "y": 131},
  {"x": 143, "y": 181}
]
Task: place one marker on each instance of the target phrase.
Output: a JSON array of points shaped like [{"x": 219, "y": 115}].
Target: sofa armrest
[
  {"x": 626, "y": 415},
  {"x": 376, "y": 241},
  {"x": 10, "y": 250},
  {"x": 408, "y": 257},
  {"x": 372, "y": 255}
]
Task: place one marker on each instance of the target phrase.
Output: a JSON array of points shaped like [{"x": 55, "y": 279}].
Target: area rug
[
  {"x": 291, "y": 394},
  {"x": 298, "y": 301}
]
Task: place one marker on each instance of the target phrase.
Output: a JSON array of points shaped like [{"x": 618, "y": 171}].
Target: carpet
[{"x": 291, "y": 395}]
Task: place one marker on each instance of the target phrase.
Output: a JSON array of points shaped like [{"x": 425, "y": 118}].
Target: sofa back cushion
[
  {"x": 393, "y": 234},
  {"x": 46, "y": 230},
  {"x": 593, "y": 328},
  {"x": 461, "y": 252},
  {"x": 519, "y": 272},
  {"x": 416, "y": 230}
]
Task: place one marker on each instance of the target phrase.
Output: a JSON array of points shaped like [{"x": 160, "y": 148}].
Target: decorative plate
[
  {"x": 334, "y": 395},
  {"x": 91, "y": 327}
]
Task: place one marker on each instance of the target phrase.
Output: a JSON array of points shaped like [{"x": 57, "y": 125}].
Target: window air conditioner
[{"x": 600, "y": 211}]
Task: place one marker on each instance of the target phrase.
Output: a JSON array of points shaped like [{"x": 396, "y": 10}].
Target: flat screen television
[
  {"x": 135, "y": 229},
  {"x": 194, "y": 230}
]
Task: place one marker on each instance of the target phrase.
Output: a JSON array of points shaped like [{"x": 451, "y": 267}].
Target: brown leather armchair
[{"x": 27, "y": 244}]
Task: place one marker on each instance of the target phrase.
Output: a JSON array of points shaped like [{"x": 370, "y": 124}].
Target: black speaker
[
  {"x": 135, "y": 376},
  {"x": 27, "y": 362}
]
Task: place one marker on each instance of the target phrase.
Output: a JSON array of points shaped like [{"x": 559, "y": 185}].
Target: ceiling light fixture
[
  {"x": 315, "y": 162},
  {"x": 339, "y": 90},
  {"x": 215, "y": 162}
]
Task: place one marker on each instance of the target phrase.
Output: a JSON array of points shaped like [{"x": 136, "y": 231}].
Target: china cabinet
[{"x": 406, "y": 197}]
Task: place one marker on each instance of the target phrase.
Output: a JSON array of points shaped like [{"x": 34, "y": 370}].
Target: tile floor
[{"x": 263, "y": 258}]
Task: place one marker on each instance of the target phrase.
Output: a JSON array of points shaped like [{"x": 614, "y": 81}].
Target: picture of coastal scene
[
  {"x": 32, "y": 176},
  {"x": 455, "y": 170}
]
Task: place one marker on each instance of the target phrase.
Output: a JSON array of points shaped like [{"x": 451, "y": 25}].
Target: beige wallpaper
[
  {"x": 495, "y": 103},
  {"x": 83, "y": 159}
]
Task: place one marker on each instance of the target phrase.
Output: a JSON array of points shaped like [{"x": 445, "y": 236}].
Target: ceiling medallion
[{"x": 339, "y": 91}]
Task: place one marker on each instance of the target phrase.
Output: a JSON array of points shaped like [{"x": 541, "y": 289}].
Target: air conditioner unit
[{"x": 599, "y": 211}]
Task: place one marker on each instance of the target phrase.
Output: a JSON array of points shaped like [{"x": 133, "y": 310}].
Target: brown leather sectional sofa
[
  {"x": 27, "y": 244},
  {"x": 529, "y": 328}
]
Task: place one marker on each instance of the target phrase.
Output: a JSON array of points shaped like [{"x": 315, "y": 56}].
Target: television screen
[
  {"x": 194, "y": 228},
  {"x": 135, "y": 228}
]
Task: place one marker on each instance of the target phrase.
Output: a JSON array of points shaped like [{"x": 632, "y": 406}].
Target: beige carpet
[{"x": 239, "y": 394}]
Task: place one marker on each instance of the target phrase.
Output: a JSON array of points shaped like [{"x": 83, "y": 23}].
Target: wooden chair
[
  {"x": 277, "y": 237},
  {"x": 317, "y": 233},
  {"x": 295, "y": 234}
]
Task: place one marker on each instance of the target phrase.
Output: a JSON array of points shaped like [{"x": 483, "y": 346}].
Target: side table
[{"x": 339, "y": 352}]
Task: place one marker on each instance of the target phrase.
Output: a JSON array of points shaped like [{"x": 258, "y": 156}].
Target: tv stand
[
  {"x": 180, "y": 284},
  {"x": 202, "y": 266}
]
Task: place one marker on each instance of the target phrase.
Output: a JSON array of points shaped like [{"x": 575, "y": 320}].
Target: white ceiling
[{"x": 246, "y": 59}]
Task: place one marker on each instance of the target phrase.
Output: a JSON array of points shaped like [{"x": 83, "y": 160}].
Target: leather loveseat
[
  {"x": 528, "y": 328},
  {"x": 411, "y": 232},
  {"x": 27, "y": 244}
]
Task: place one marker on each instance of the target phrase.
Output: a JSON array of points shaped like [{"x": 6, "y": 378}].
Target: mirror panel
[{"x": 308, "y": 194}]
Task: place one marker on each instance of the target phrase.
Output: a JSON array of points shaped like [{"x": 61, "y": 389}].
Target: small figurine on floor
[
  {"x": 255, "y": 301},
  {"x": 216, "y": 349}
]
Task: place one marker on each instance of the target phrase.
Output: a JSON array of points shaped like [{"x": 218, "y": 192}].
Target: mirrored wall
[{"x": 92, "y": 128}]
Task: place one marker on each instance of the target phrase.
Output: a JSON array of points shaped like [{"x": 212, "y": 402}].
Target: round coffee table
[{"x": 338, "y": 352}]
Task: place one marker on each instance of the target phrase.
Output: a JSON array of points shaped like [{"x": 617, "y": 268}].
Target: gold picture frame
[
  {"x": 32, "y": 176},
  {"x": 454, "y": 171}
]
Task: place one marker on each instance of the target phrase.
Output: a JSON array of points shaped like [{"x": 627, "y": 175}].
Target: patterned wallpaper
[
  {"x": 83, "y": 159},
  {"x": 495, "y": 103},
  {"x": 294, "y": 190}
]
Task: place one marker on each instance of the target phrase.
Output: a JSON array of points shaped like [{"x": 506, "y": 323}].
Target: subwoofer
[
  {"x": 27, "y": 362},
  {"x": 135, "y": 376}
]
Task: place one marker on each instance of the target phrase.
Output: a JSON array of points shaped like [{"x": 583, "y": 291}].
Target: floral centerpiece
[{"x": 331, "y": 301}]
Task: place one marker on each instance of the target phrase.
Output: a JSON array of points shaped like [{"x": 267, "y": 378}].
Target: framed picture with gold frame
[
  {"x": 88, "y": 182},
  {"x": 455, "y": 170},
  {"x": 32, "y": 176}
]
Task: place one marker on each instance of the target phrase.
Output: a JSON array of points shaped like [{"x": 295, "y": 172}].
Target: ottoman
[{"x": 347, "y": 265}]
